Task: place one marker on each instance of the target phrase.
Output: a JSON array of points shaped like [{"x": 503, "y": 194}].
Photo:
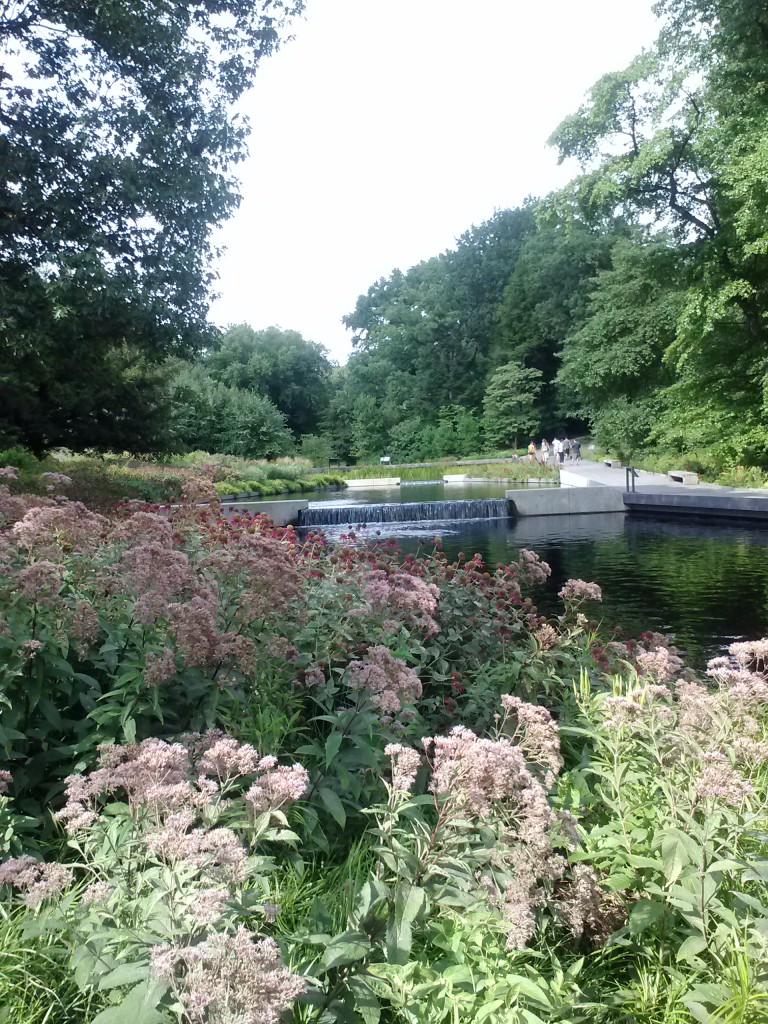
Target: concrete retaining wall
[
  {"x": 568, "y": 479},
  {"x": 282, "y": 513},
  {"x": 566, "y": 501},
  {"x": 375, "y": 481}
]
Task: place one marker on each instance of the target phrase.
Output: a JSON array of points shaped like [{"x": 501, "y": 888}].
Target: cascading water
[{"x": 405, "y": 512}]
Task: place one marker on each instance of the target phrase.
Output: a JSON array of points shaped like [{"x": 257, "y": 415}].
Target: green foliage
[
  {"x": 509, "y": 403},
  {"x": 589, "y": 846},
  {"x": 294, "y": 374},
  {"x": 110, "y": 202},
  {"x": 217, "y": 417}
]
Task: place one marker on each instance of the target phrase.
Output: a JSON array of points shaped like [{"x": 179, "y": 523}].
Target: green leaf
[
  {"x": 345, "y": 949},
  {"x": 333, "y": 805},
  {"x": 332, "y": 745},
  {"x": 366, "y": 1003},
  {"x": 674, "y": 855},
  {"x": 138, "y": 1007},
  {"x": 690, "y": 949},
  {"x": 644, "y": 914},
  {"x": 125, "y": 974}
]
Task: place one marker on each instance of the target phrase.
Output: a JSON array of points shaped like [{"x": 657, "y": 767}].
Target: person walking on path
[
  {"x": 576, "y": 450},
  {"x": 531, "y": 451},
  {"x": 558, "y": 446},
  {"x": 566, "y": 450},
  {"x": 544, "y": 450}
]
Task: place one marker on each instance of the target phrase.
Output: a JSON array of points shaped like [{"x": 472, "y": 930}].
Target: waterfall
[{"x": 405, "y": 512}]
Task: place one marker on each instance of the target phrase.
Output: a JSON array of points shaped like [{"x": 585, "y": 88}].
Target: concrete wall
[
  {"x": 566, "y": 501},
  {"x": 568, "y": 479},
  {"x": 375, "y": 481},
  {"x": 282, "y": 513}
]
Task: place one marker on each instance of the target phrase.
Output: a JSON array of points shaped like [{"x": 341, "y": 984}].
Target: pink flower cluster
[
  {"x": 660, "y": 663},
  {"x": 264, "y": 574},
  {"x": 530, "y": 569},
  {"x": 387, "y": 681},
  {"x": 175, "y": 780},
  {"x": 576, "y": 591},
  {"x": 9, "y": 473},
  {"x": 52, "y": 530},
  {"x": 719, "y": 781},
  {"x": 37, "y": 880},
  {"x": 484, "y": 775},
  {"x": 537, "y": 736},
  {"x": 405, "y": 762},
  {"x": 404, "y": 595},
  {"x": 229, "y": 978}
]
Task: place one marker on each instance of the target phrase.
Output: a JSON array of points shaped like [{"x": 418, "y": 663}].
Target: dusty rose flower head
[
  {"x": 218, "y": 851},
  {"x": 69, "y": 526},
  {"x": 5, "y": 782},
  {"x": 37, "y": 880},
  {"x": 265, "y": 574},
  {"x": 84, "y": 624},
  {"x": 537, "y": 736},
  {"x": 9, "y": 473},
  {"x": 406, "y": 595},
  {"x": 30, "y": 649},
  {"x": 576, "y": 591},
  {"x": 405, "y": 765},
  {"x": 41, "y": 581},
  {"x": 143, "y": 528},
  {"x": 546, "y": 635},
  {"x": 387, "y": 681},
  {"x": 97, "y": 892},
  {"x": 660, "y": 663},
  {"x": 278, "y": 786},
  {"x": 751, "y": 654},
  {"x": 484, "y": 775},
  {"x": 719, "y": 781},
  {"x": 54, "y": 481},
  {"x": 227, "y": 759},
  {"x": 159, "y": 667},
  {"x": 12, "y": 507},
  {"x": 229, "y": 979},
  {"x": 531, "y": 570}
]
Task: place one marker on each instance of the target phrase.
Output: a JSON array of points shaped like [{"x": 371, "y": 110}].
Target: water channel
[{"x": 703, "y": 583}]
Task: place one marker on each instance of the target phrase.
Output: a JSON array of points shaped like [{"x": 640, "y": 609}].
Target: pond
[{"x": 702, "y": 583}]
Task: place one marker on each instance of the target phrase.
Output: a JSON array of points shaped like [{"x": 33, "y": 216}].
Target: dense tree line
[
  {"x": 631, "y": 304},
  {"x": 638, "y": 293}
]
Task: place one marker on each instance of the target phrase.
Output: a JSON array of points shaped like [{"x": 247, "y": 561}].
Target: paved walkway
[{"x": 602, "y": 474}]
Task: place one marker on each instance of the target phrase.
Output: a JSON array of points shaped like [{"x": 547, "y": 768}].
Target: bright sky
[{"x": 386, "y": 128}]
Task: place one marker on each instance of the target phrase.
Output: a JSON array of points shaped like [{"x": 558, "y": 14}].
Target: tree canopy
[{"x": 118, "y": 140}]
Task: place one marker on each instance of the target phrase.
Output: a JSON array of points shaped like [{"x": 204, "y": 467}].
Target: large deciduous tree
[
  {"x": 509, "y": 405},
  {"x": 117, "y": 147},
  {"x": 295, "y": 374}
]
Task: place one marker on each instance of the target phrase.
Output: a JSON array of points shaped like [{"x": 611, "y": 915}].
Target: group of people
[{"x": 559, "y": 450}]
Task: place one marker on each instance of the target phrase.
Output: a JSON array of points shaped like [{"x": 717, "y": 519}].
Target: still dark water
[{"x": 705, "y": 585}]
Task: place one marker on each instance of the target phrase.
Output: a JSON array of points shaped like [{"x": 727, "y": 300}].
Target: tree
[
  {"x": 509, "y": 403},
  {"x": 118, "y": 141},
  {"x": 629, "y": 324},
  {"x": 677, "y": 141},
  {"x": 295, "y": 374},
  {"x": 209, "y": 416}
]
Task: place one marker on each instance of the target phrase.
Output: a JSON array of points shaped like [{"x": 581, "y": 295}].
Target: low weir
[{"x": 405, "y": 512}]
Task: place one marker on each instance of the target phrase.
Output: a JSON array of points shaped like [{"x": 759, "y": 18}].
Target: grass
[
  {"x": 37, "y": 985},
  {"x": 518, "y": 470}
]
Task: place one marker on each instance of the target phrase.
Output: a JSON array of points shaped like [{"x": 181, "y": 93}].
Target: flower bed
[{"x": 248, "y": 778}]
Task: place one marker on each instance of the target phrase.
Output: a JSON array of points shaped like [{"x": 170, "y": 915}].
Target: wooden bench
[
  {"x": 613, "y": 463},
  {"x": 683, "y": 476}
]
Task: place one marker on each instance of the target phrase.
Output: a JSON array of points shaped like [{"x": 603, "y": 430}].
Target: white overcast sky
[{"x": 386, "y": 128}]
